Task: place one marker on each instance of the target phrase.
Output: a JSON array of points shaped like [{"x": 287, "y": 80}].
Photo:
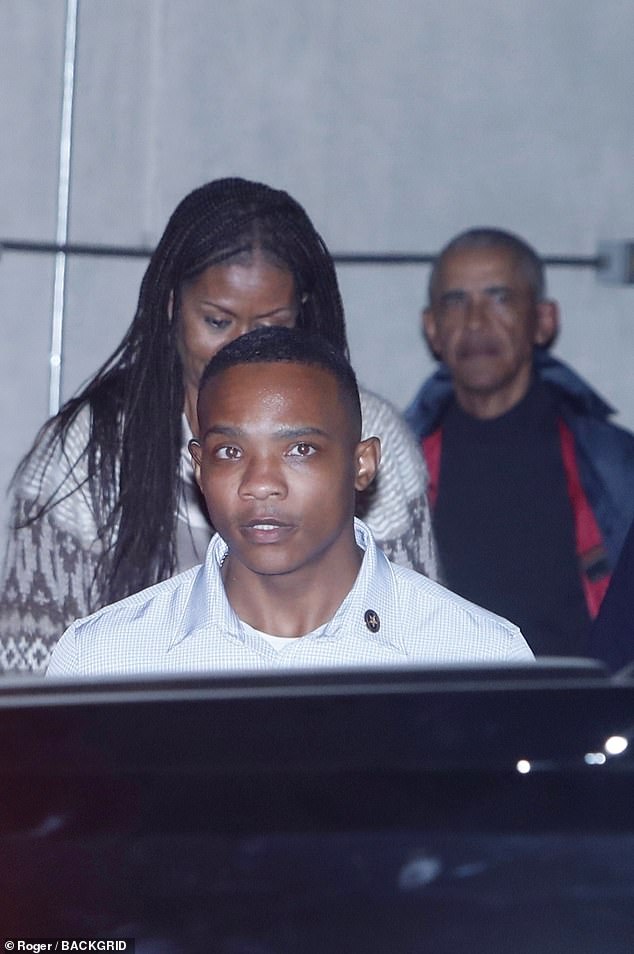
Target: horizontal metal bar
[
  {"x": 341, "y": 258},
  {"x": 75, "y": 248}
]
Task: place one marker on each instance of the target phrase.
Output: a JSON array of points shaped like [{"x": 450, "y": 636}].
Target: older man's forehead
[{"x": 487, "y": 268}]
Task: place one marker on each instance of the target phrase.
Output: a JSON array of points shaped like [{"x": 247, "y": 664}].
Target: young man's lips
[{"x": 265, "y": 530}]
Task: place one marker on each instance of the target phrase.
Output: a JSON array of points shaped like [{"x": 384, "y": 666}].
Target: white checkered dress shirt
[{"x": 391, "y": 617}]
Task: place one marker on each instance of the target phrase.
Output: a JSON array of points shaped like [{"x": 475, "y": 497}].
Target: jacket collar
[{"x": 429, "y": 404}]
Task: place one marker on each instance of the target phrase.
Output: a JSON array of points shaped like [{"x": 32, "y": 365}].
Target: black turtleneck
[{"x": 504, "y": 523}]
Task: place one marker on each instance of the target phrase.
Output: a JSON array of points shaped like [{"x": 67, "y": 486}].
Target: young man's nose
[{"x": 263, "y": 478}]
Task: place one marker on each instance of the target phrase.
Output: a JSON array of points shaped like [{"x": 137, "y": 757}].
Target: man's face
[
  {"x": 278, "y": 464},
  {"x": 484, "y": 323}
]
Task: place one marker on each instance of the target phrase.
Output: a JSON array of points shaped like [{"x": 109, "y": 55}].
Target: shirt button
[{"x": 372, "y": 621}]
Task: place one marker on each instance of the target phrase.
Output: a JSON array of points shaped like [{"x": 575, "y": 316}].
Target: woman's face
[{"x": 226, "y": 301}]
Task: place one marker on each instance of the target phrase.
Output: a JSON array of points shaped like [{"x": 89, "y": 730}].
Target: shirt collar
[
  {"x": 208, "y": 608},
  {"x": 371, "y": 600}
]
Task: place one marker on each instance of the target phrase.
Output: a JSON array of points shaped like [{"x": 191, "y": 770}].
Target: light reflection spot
[
  {"x": 419, "y": 872},
  {"x": 595, "y": 758},
  {"x": 616, "y": 745}
]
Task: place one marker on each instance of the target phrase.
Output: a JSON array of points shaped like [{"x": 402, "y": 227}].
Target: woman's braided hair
[{"x": 136, "y": 398}]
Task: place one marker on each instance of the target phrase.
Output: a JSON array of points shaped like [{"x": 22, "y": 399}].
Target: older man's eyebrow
[
  {"x": 495, "y": 289},
  {"x": 452, "y": 293},
  {"x": 460, "y": 294}
]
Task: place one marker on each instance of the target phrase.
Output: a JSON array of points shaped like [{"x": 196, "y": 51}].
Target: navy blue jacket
[
  {"x": 612, "y": 634},
  {"x": 604, "y": 451}
]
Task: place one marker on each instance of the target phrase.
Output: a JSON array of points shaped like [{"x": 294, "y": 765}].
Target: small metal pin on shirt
[{"x": 372, "y": 621}]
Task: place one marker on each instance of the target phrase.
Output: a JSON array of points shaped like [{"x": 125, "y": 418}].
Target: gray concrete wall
[{"x": 395, "y": 124}]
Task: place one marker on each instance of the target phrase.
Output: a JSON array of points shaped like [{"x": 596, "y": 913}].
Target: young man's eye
[
  {"x": 227, "y": 453},
  {"x": 302, "y": 450}
]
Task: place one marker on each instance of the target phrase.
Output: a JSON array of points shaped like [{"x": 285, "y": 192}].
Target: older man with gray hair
[{"x": 530, "y": 482}]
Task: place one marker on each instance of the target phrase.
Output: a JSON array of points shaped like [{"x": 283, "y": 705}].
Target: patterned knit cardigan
[{"x": 49, "y": 568}]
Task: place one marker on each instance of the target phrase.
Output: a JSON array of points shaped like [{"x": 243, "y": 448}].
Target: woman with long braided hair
[{"x": 105, "y": 502}]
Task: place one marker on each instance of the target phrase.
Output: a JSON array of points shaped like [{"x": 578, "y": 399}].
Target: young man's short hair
[{"x": 292, "y": 345}]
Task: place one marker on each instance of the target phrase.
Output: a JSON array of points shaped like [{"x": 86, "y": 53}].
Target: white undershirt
[{"x": 279, "y": 643}]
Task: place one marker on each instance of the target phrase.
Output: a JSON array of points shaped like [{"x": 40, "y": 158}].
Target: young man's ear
[
  {"x": 196, "y": 452},
  {"x": 430, "y": 332},
  {"x": 547, "y": 325},
  {"x": 367, "y": 458}
]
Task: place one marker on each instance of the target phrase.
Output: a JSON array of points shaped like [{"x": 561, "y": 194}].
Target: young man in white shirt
[{"x": 291, "y": 580}]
